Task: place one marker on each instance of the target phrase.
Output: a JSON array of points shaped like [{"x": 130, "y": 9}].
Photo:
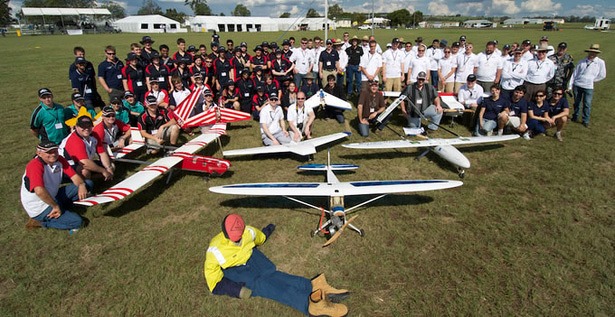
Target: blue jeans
[
  {"x": 431, "y": 114},
  {"x": 298, "y": 80},
  {"x": 353, "y": 79},
  {"x": 582, "y": 95},
  {"x": 434, "y": 78},
  {"x": 68, "y": 219},
  {"x": 261, "y": 276},
  {"x": 488, "y": 126},
  {"x": 340, "y": 80}
]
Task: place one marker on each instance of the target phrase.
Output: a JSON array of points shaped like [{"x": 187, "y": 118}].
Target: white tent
[
  {"x": 202, "y": 23},
  {"x": 317, "y": 24},
  {"x": 148, "y": 24}
]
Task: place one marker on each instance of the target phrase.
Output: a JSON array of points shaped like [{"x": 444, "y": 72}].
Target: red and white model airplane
[{"x": 217, "y": 114}]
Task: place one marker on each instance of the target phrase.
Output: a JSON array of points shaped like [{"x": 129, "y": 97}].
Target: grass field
[{"x": 531, "y": 232}]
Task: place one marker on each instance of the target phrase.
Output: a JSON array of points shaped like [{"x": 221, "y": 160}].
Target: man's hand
[
  {"x": 108, "y": 174},
  {"x": 363, "y": 121},
  {"x": 82, "y": 191},
  {"x": 55, "y": 212}
]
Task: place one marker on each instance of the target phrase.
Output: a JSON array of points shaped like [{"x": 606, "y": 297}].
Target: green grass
[{"x": 531, "y": 232}]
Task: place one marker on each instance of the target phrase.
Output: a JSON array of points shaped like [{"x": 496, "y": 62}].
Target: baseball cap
[
  {"x": 116, "y": 100},
  {"x": 107, "y": 110},
  {"x": 80, "y": 60},
  {"x": 191, "y": 48},
  {"x": 456, "y": 44},
  {"x": 506, "y": 46},
  {"x": 491, "y": 43},
  {"x": 462, "y": 38},
  {"x": 471, "y": 77},
  {"x": 146, "y": 39},
  {"x": 151, "y": 100},
  {"x": 153, "y": 80},
  {"x": 85, "y": 122},
  {"x": 233, "y": 227},
  {"x": 207, "y": 92},
  {"x": 214, "y": 44},
  {"x": 260, "y": 88},
  {"x": 563, "y": 45},
  {"x": 244, "y": 44},
  {"x": 76, "y": 96},
  {"x": 373, "y": 83},
  {"x": 329, "y": 41},
  {"x": 285, "y": 42},
  {"x": 544, "y": 38},
  {"x": 154, "y": 54},
  {"x": 395, "y": 40},
  {"x": 131, "y": 56},
  {"x": 44, "y": 91},
  {"x": 421, "y": 75},
  {"x": 526, "y": 42},
  {"x": 46, "y": 146},
  {"x": 273, "y": 96},
  {"x": 221, "y": 49},
  {"x": 265, "y": 44}
]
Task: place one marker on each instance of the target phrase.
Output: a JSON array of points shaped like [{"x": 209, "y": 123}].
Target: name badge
[
  {"x": 88, "y": 91},
  {"x": 247, "y": 94},
  {"x": 139, "y": 83},
  {"x": 119, "y": 76},
  {"x": 59, "y": 126},
  {"x": 161, "y": 79},
  {"x": 419, "y": 101},
  {"x": 154, "y": 132},
  {"x": 512, "y": 112},
  {"x": 223, "y": 74},
  {"x": 372, "y": 110},
  {"x": 329, "y": 63}
]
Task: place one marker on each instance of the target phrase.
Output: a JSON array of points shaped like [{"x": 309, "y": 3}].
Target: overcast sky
[{"x": 513, "y": 8}]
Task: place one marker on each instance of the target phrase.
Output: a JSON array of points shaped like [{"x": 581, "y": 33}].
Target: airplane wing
[
  {"x": 137, "y": 143},
  {"x": 336, "y": 189},
  {"x": 429, "y": 142},
  {"x": 330, "y": 100},
  {"x": 185, "y": 107},
  {"x": 149, "y": 173},
  {"x": 217, "y": 115},
  {"x": 306, "y": 147}
]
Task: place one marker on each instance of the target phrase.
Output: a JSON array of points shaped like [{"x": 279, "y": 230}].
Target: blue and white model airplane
[{"x": 334, "y": 189}]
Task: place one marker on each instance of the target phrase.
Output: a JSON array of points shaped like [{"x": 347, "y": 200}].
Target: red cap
[{"x": 233, "y": 226}]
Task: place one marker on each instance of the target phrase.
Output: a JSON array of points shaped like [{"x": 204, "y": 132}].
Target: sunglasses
[
  {"x": 446, "y": 52},
  {"x": 540, "y": 96},
  {"x": 110, "y": 53},
  {"x": 557, "y": 93},
  {"x": 110, "y": 116},
  {"x": 421, "y": 50},
  {"x": 300, "y": 98}
]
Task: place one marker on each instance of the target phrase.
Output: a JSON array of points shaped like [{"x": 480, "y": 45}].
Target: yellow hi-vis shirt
[{"x": 223, "y": 253}]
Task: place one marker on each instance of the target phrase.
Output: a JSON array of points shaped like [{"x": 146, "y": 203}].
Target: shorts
[
  {"x": 166, "y": 136},
  {"x": 514, "y": 122}
]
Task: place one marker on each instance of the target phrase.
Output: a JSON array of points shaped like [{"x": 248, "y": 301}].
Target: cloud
[
  {"x": 532, "y": 6},
  {"x": 505, "y": 7},
  {"x": 470, "y": 8},
  {"x": 438, "y": 8}
]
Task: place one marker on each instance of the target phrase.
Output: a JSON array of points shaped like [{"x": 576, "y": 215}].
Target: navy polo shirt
[
  {"x": 538, "y": 111},
  {"x": 517, "y": 108},
  {"x": 494, "y": 107},
  {"x": 558, "y": 107},
  {"x": 112, "y": 73},
  {"x": 329, "y": 59}
]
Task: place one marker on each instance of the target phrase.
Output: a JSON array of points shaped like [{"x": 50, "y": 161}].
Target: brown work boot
[
  {"x": 33, "y": 224},
  {"x": 332, "y": 294},
  {"x": 320, "y": 307}
]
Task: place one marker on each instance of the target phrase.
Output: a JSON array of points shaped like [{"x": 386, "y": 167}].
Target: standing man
[
  {"x": 513, "y": 73},
  {"x": 47, "y": 120},
  {"x": 392, "y": 67},
  {"x": 110, "y": 74},
  {"x": 370, "y": 65},
  {"x": 148, "y": 50},
  {"x": 420, "y": 64},
  {"x": 466, "y": 64},
  {"x": 45, "y": 201},
  {"x": 304, "y": 61},
  {"x": 489, "y": 66},
  {"x": 564, "y": 66},
  {"x": 434, "y": 53},
  {"x": 84, "y": 82},
  {"x": 539, "y": 71},
  {"x": 328, "y": 62},
  {"x": 589, "y": 70},
  {"x": 353, "y": 76},
  {"x": 422, "y": 97}
]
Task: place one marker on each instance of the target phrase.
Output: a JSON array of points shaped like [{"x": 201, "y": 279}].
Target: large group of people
[{"x": 516, "y": 89}]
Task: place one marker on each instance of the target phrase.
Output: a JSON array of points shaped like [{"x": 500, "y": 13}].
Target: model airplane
[
  {"x": 303, "y": 148},
  {"x": 183, "y": 156},
  {"x": 325, "y": 99},
  {"x": 217, "y": 114},
  {"x": 336, "y": 191},
  {"x": 442, "y": 147}
]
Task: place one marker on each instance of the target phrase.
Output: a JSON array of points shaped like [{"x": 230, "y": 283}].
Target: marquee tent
[{"x": 148, "y": 24}]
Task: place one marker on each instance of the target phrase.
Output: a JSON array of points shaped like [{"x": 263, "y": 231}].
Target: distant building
[
  {"x": 479, "y": 24},
  {"x": 148, "y": 24},
  {"x": 343, "y": 23}
]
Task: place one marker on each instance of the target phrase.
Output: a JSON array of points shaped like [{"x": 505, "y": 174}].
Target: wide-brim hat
[
  {"x": 354, "y": 39},
  {"x": 594, "y": 48},
  {"x": 309, "y": 76},
  {"x": 543, "y": 48},
  {"x": 146, "y": 39}
]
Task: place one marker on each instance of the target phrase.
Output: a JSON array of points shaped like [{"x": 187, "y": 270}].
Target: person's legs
[
  {"x": 588, "y": 95},
  {"x": 363, "y": 129},
  {"x": 434, "y": 117},
  {"x": 299, "y": 80},
  {"x": 414, "y": 122},
  {"x": 578, "y": 98},
  {"x": 434, "y": 78},
  {"x": 281, "y": 137},
  {"x": 68, "y": 220}
]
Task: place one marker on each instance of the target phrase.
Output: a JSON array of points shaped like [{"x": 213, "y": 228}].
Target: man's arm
[
  {"x": 82, "y": 189},
  {"x": 44, "y": 195}
]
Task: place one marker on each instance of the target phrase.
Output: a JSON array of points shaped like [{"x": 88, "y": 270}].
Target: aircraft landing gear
[{"x": 461, "y": 172}]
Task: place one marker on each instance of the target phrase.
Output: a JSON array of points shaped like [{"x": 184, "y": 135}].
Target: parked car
[{"x": 365, "y": 27}]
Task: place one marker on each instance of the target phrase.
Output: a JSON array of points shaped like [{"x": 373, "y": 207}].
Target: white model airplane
[
  {"x": 335, "y": 190},
  {"x": 325, "y": 99},
  {"x": 442, "y": 147},
  {"x": 216, "y": 115},
  {"x": 303, "y": 148},
  {"x": 183, "y": 156}
]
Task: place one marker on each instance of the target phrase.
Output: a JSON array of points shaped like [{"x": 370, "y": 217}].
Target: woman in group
[
  {"x": 538, "y": 114},
  {"x": 183, "y": 73},
  {"x": 272, "y": 86},
  {"x": 289, "y": 97},
  {"x": 133, "y": 77},
  {"x": 447, "y": 67},
  {"x": 229, "y": 97}
]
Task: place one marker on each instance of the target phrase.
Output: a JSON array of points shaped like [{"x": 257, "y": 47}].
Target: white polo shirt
[
  {"x": 434, "y": 55},
  {"x": 468, "y": 96},
  {"x": 465, "y": 67},
  {"x": 513, "y": 74},
  {"x": 540, "y": 72},
  {"x": 271, "y": 117},
  {"x": 370, "y": 62},
  {"x": 587, "y": 72},
  {"x": 419, "y": 64},
  {"x": 445, "y": 66},
  {"x": 303, "y": 59},
  {"x": 488, "y": 66},
  {"x": 393, "y": 60},
  {"x": 298, "y": 116}
]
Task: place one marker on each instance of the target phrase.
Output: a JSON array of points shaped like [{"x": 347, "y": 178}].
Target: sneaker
[
  {"x": 526, "y": 136},
  {"x": 72, "y": 232},
  {"x": 558, "y": 136},
  {"x": 586, "y": 124},
  {"x": 489, "y": 133}
]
